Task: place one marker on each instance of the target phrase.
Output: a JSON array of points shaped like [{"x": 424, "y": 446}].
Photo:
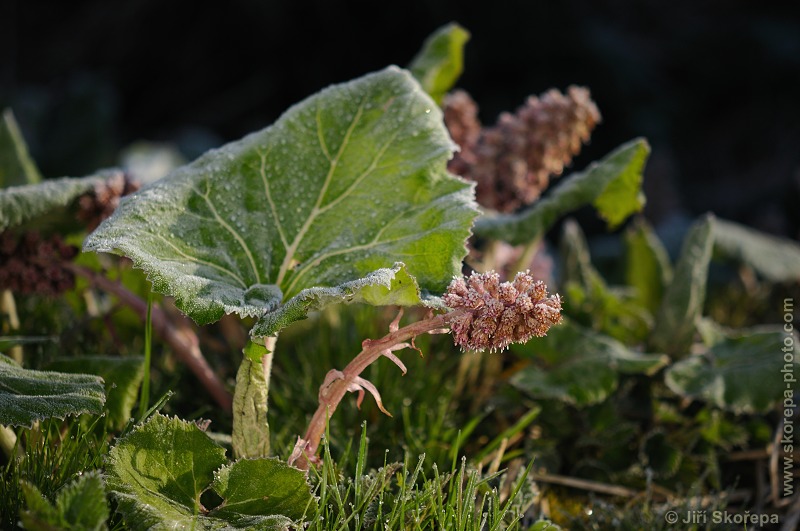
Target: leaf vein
[
  {"x": 287, "y": 260},
  {"x": 358, "y": 180},
  {"x": 272, "y": 206},
  {"x": 321, "y": 136},
  {"x": 230, "y": 229},
  {"x": 374, "y": 243},
  {"x": 203, "y": 262}
]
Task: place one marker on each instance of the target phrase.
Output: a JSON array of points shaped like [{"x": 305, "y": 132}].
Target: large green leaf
[
  {"x": 159, "y": 471},
  {"x": 27, "y": 395},
  {"x": 682, "y": 305},
  {"x": 777, "y": 259},
  {"x": 16, "y": 166},
  {"x": 612, "y": 185},
  {"x": 44, "y": 203},
  {"x": 745, "y": 374},
  {"x": 122, "y": 377},
  {"x": 346, "y": 183},
  {"x": 440, "y": 62},
  {"x": 81, "y": 506},
  {"x": 578, "y": 366},
  {"x": 647, "y": 266}
]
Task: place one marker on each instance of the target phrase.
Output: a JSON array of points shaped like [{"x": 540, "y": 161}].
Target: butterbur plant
[
  {"x": 264, "y": 227},
  {"x": 321, "y": 208}
]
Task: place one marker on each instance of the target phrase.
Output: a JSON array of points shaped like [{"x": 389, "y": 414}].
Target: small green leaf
[
  {"x": 776, "y": 259},
  {"x": 745, "y": 374},
  {"x": 578, "y": 366},
  {"x": 158, "y": 472},
  {"x": 27, "y": 395},
  {"x": 611, "y": 185},
  {"x": 720, "y": 431},
  {"x": 647, "y": 266},
  {"x": 659, "y": 454},
  {"x": 41, "y": 514},
  {"x": 683, "y": 300},
  {"x": 122, "y": 377},
  {"x": 81, "y": 506},
  {"x": 439, "y": 63},
  {"x": 545, "y": 525},
  {"x": 16, "y": 166},
  {"x": 623, "y": 196},
  {"x": 258, "y": 487},
  {"x": 42, "y": 205},
  {"x": 303, "y": 213}
]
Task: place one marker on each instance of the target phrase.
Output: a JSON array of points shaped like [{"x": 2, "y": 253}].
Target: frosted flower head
[{"x": 493, "y": 314}]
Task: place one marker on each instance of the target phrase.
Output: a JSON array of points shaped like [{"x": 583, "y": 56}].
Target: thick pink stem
[
  {"x": 337, "y": 383},
  {"x": 182, "y": 340}
]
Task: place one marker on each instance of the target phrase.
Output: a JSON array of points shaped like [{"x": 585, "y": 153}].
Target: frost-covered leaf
[
  {"x": 27, "y": 395},
  {"x": 44, "y": 204},
  {"x": 346, "y": 183},
  {"x": 16, "y": 166},
  {"x": 158, "y": 472},
  {"x": 777, "y": 259},
  {"x": 257, "y": 487},
  {"x": 122, "y": 378},
  {"x": 647, "y": 266},
  {"x": 578, "y": 366},
  {"x": 612, "y": 185},
  {"x": 387, "y": 286},
  {"x": 439, "y": 63},
  {"x": 745, "y": 374},
  {"x": 682, "y": 305},
  {"x": 80, "y": 506}
]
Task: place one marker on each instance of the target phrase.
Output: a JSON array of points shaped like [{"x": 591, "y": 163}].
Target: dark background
[{"x": 714, "y": 86}]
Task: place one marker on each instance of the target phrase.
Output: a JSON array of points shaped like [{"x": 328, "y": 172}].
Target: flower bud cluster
[
  {"x": 512, "y": 162},
  {"x": 491, "y": 315},
  {"x": 32, "y": 264},
  {"x": 461, "y": 117},
  {"x": 101, "y": 202}
]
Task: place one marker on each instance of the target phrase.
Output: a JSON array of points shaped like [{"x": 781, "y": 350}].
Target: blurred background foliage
[{"x": 712, "y": 85}]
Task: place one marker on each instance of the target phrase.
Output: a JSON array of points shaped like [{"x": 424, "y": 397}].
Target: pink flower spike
[{"x": 491, "y": 315}]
